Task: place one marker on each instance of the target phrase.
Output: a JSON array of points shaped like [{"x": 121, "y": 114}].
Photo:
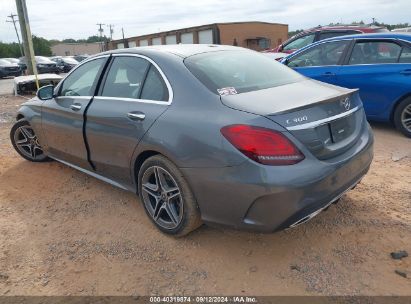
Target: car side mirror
[
  {"x": 285, "y": 61},
  {"x": 46, "y": 92}
]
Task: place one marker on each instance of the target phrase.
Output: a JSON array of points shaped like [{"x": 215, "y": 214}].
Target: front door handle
[
  {"x": 136, "y": 115},
  {"x": 75, "y": 107},
  {"x": 328, "y": 74},
  {"x": 406, "y": 72}
]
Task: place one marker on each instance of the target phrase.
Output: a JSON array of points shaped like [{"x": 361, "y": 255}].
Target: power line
[{"x": 11, "y": 16}]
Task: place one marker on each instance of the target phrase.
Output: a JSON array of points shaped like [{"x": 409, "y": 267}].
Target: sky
[{"x": 60, "y": 19}]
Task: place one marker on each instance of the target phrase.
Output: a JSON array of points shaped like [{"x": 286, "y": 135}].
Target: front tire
[
  {"x": 26, "y": 143},
  {"x": 167, "y": 197},
  {"x": 402, "y": 117}
]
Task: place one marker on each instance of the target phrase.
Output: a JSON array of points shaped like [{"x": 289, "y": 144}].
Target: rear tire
[
  {"x": 402, "y": 117},
  {"x": 25, "y": 142},
  {"x": 167, "y": 197}
]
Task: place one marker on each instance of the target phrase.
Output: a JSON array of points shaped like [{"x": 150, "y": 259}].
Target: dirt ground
[{"x": 65, "y": 233}]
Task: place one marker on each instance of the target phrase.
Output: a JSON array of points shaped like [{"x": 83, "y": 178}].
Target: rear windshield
[{"x": 244, "y": 71}]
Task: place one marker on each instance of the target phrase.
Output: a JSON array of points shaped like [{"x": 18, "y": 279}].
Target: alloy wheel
[
  {"x": 27, "y": 143},
  {"x": 162, "y": 197},
  {"x": 406, "y": 118}
]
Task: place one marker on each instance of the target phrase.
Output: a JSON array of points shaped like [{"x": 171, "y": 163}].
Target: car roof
[{"x": 181, "y": 50}]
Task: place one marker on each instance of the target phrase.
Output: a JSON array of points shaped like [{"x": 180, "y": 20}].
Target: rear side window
[
  {"x": 125, "y": 77},
  {"x": 82, "y": 81},
  {"x": 154, "y": 87},
  {"x": 405, "y": 55},
  {"x": 239, "y": 71},
  {"x": 328, "y": 53},
  {"x": 375, "y": 52}
]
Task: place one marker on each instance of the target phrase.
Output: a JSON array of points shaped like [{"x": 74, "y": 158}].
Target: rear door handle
[
  {"x": 75, "y": 107},
  {"x": 406, "y": 72},
  {"x": 328, "y": 74},
  {"x": 136, "y": 115}
]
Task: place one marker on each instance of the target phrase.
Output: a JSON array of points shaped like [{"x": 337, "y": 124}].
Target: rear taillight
[{"x": 263, "y": 145}]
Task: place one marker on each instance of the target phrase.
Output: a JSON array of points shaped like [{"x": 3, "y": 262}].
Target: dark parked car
[
  {"x": 214, "y": 134},
  {"x": 323, "y": 32},
  {"x": 43, "y": 64},
  {"x": 12, "y": 60},
  {"x": 378, "y": 64},
  {"x": 65, "y": 64},
  {"x": 80, "y": 58},
  {"x": 8, "y": 69}
]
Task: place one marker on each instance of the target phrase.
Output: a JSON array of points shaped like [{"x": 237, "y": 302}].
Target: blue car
[{"x": 378, "y": 64}]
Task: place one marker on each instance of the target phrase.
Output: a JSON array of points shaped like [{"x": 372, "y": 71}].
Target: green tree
[
  {"x": 41, "y": 46},
  {"x": 69, "y": 40},
  {"x": 11, "y": 50}
]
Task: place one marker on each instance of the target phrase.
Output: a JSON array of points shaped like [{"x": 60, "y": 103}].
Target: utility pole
[
  {"x": 27, "y": 38},
  {"x": 100, "y": 30},
  {"x": 124, "y": 39},
  {"x": 17, "y": 33},
  {"x": 111, "y": 26}
]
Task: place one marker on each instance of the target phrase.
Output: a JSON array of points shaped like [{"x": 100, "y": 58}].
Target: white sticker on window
[{"x": 227, "y": 91}]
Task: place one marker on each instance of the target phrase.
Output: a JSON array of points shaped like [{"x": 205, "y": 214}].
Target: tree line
[{"x": 42, "y": 46}]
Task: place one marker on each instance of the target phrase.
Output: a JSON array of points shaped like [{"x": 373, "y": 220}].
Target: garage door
[
  {"x": 205, "y": 37},
  {"x": 187, "y": 38},
  {"x": 172, "y": 39},
  {"x": 144, "y": 42},
  {"x": 132, "y": 44},
  {"x": 120, "y": 45},
  {"x": 156, "y": 41}
]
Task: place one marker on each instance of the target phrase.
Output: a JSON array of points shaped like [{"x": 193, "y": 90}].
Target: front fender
[{"x": 31, "y": 111}]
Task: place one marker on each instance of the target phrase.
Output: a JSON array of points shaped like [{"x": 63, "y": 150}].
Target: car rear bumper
[
  {"x": 10, "y": 73},
  {"x": 265, "y": 198},
  {"x": 44, "y": 70}
]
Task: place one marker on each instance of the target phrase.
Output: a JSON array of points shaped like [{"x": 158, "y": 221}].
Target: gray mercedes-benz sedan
[{"x": 203, "y": 133}]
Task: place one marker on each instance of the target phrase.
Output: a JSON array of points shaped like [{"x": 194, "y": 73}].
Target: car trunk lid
[{"x": 327, "y": 119}]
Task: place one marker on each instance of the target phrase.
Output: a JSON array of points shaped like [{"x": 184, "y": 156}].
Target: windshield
[
  {"x": 70, "y": 60},
  {"x": 40, "y": 59},
  {"x": 244, "y": 71}
]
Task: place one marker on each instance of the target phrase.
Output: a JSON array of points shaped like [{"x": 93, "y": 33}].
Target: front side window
[
  {"x": 244, "y": 71},
  {"x": 375, "y": 52},
  {"x": 82, "y": 81},
  {"x": 125, "y": 77},
  {"x": 324, "y": 54},
  {"x": 300, "y": 42}
]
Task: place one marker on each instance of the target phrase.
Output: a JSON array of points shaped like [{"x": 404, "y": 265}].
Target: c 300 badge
[
  {"x": 346, "y": 103},
  {"x": 297, "y": 119}
]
